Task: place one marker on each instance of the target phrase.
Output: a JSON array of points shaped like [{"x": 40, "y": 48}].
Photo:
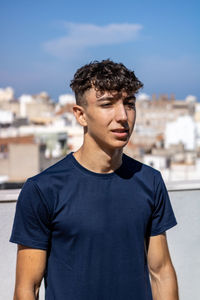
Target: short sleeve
[
  {"x": 31, "y": 225},
  {"x": 163, "y": 217}
]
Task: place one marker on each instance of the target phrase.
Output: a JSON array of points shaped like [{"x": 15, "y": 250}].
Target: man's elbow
[
  {"x": 24, "y": 293},
  {"x": 162, "y": 272}
]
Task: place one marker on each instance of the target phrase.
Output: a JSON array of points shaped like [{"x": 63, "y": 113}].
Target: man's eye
[
  {"x": 130, "y": 104},
  {"x": 105, "y": 104}
]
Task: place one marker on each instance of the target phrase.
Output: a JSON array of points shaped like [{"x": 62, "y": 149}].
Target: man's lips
[{"x": 120, "y": 130}]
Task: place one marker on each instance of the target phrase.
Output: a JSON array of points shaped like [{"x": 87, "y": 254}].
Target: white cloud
[{"x": 81, "y": 36}]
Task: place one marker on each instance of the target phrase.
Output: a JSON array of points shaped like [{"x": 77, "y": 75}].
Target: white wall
[{"x": 183, "y": 130}]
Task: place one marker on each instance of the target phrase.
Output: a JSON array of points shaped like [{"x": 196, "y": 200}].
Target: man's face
[{"x": 110, "y": 118}]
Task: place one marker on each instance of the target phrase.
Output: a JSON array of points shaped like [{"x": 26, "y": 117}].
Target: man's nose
[{"x": 121, "y": 113}]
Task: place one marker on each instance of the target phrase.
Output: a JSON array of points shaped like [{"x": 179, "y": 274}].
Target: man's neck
[{"x": 98, "y": 160}]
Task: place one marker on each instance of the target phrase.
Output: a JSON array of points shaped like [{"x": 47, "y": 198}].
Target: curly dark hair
[{"x": 105, "y": 75}]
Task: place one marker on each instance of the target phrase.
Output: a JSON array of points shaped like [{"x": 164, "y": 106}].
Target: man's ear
[{"x": 79, "y": 113}]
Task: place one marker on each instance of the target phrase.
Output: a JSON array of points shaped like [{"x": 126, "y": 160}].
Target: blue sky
[{"x": 44, "y": 42}]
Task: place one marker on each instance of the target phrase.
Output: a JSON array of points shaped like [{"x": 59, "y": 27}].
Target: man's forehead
[{"x": 101, "y": 94}]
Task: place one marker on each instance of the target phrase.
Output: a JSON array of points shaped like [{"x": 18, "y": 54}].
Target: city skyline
[{"x": 44, "y": 43}]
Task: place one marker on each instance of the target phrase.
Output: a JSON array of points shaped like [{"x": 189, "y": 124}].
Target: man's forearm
[
  {"x": 26, "y": 294},
  {"x": 164, "y": 285}
]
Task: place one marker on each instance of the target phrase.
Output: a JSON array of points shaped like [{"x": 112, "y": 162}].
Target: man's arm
[
  {"x": 163, "y": 277},
  {"x": 31, "y": 264}
]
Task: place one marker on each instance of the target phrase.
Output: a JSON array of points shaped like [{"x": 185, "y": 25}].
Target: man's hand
[
  {"x": 163, "y": 277},
  {"x": 30, "y": 269}
]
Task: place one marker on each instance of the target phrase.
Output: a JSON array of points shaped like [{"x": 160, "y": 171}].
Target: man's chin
[{"x": 120, "y": 144}]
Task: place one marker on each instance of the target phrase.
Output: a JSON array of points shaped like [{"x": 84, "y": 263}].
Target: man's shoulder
[
  {"x": 57, "y": 171},
  {"x": 143, "y": 175},
  {"x": 140, "y": 167}
]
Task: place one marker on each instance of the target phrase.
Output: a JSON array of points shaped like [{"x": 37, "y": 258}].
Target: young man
[{"x": 93, "y": 225}]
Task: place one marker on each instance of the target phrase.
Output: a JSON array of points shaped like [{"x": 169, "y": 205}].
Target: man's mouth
[
  {"x": 121, "y": 133},
  {"x": 120, "y": 130}
]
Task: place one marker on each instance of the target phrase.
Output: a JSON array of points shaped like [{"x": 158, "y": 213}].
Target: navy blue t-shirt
[{"x": 95, "y": 228}]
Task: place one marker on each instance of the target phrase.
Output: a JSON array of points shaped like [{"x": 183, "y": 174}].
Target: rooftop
[{"x": 183, "y": 239}]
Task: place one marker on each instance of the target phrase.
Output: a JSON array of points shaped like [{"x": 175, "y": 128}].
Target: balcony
[{"x": 183, "y": 239}]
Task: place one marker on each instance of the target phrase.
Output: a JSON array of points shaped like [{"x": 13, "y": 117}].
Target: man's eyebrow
[
  {"x": 130, "y": 98},
  {"x": 103, "y": 98},
  {"x": 114, "y": 98}
]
